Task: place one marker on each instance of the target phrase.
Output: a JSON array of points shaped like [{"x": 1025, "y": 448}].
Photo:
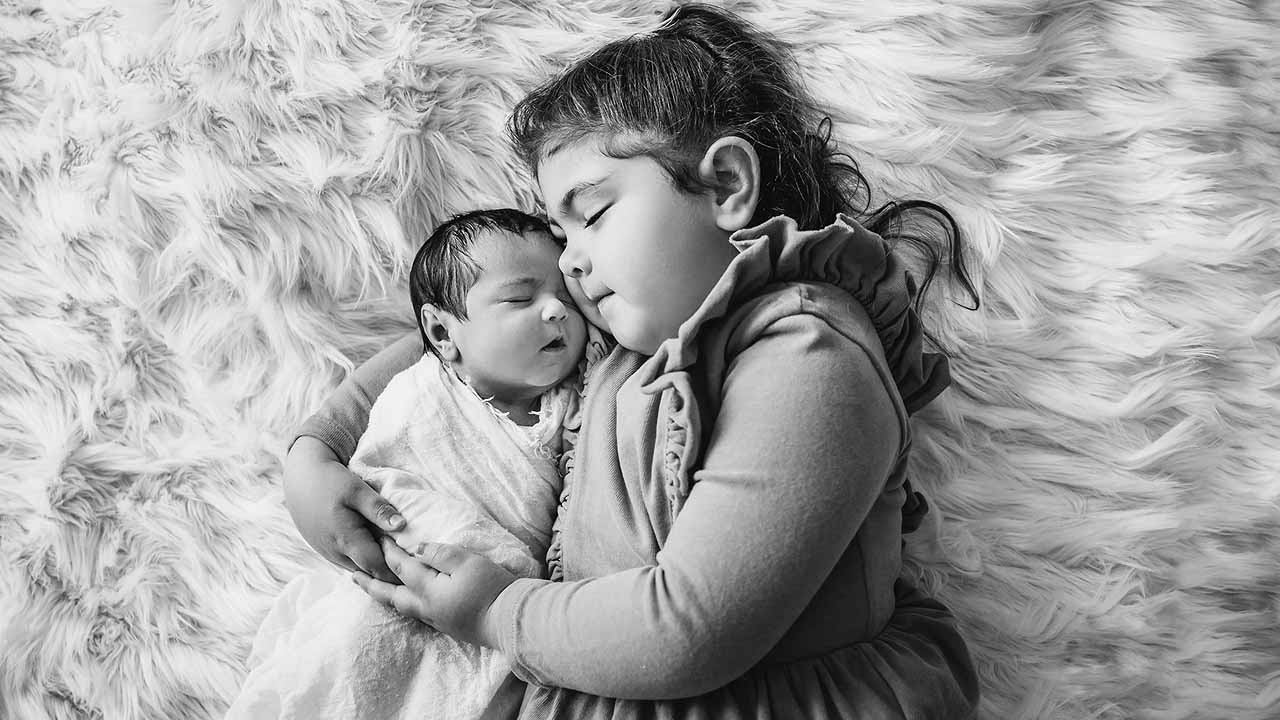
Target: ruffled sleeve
[
  {"x": 859, "y": 261},
  {"x": 844, "y": 254}
]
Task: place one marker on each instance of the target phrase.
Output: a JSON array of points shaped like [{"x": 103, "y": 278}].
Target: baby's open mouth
[{"x": 557, "y": 344}]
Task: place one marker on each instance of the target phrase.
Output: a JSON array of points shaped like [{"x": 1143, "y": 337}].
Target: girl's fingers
[
  {"x": 376, "y": 509},
  {"x": 443, "y": 557},
  {"x": 378, "y": 590},
  {"x": 341, "y": 561},
  {"x": 397, "y": 596},
  {"x": 363, "y": 551},
  {"x": 409, "y": 569}
]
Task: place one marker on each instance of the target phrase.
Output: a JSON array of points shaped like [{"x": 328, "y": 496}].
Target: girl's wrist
[{"x": 498, "y": 619}]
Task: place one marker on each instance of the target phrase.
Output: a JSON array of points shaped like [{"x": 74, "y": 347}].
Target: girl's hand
[
  {"x": 335, "y": 510},
  {"x": 445, "y": 586}
]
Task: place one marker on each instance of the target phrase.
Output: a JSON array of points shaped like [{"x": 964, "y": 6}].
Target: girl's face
[{"x": 640, "y": 255}]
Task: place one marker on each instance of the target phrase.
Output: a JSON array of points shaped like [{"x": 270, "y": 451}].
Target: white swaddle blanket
[{"x": 459, "y": 472}]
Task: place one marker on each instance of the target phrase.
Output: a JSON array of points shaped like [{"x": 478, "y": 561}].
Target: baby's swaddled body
[{"x": 459, "y": 472}]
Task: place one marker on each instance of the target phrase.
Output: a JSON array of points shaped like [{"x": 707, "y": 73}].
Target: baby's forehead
[
  {"x": 507, "y": 252},
  {"x": 502, "y": 241}
]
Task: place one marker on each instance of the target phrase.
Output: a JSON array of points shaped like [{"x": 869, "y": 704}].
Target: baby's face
[{"x": 522, "y": 333}]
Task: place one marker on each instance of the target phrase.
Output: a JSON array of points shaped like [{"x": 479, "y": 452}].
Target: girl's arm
[
  {"x": 343, "y": 417},
  {"x": 334, "y": 509},
  {"x": 805, "y": 440}
]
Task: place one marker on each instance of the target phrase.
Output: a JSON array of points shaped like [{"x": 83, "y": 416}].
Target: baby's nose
[{"x": 554, "y": 310}]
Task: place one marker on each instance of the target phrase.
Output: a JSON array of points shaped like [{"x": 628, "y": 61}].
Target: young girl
[{"x": 730, "y": 546}]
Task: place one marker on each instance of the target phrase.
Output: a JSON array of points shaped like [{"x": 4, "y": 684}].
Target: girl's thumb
[{"x": 377, "y": 510}]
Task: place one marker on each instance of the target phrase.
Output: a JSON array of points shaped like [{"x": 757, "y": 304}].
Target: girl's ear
[
  {"x": 732, "y": 167},
  {"x": 436, "y": 323}
]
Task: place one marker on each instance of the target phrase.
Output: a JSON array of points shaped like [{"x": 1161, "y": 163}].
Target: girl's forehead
[
  {"x": 572, "y": 174},
  {"x": 569, "y": 161}
]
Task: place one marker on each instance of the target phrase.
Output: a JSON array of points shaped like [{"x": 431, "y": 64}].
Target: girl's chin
[
  {"x": 595, "y": 317},
  {"x": 642, "y": 343},
  {"x": 634, "y": 336}
]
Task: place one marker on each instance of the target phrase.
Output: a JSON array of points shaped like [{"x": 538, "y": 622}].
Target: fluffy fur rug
[{"x": 207, "y": 207}]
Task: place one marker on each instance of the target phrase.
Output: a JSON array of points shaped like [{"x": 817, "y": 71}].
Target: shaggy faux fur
[{"x": 207, "y": 208}]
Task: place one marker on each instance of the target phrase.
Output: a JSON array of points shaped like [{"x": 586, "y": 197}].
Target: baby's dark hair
[
  {"x": 703, "y": 74},
  {"x": 444, "y": 270}
]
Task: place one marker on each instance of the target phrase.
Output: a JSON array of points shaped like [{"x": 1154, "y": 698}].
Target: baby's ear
[
  {"x": 732, "y": 167},
  {"x": 436, "y": 324}
]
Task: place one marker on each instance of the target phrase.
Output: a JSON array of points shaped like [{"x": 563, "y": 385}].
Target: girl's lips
[
  {"x": 554, "y": 345},
  {"x": 595, "y": 295}
]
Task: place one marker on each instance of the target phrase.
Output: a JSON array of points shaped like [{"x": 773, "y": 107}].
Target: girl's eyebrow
[{"x": 585, "y": 186}]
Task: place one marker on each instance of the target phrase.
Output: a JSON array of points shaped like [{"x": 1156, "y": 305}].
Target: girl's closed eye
[{"x": 592, "y": 220}]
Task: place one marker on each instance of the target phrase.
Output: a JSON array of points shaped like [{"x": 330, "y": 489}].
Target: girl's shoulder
[
  {"x": 796, "y": 307},
  {"x": 841, "y": 275}
]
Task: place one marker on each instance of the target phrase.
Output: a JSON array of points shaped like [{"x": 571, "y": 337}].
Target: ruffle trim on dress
[
  {"x": 598, "y": 346},
  {"x": 681, "y": 443}
]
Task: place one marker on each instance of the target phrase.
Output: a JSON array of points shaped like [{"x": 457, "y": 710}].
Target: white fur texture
[{"x": 207, "y": 208}]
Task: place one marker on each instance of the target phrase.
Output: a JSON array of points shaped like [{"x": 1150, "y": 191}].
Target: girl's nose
[
  {"x": 573, "y": 262},
  {"x": 554, "y": 310}
]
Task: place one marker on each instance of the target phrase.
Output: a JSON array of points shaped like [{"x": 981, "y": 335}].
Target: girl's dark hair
[
  {"x": 443, "y": 270},
  {"x": 704, "y": 74}
]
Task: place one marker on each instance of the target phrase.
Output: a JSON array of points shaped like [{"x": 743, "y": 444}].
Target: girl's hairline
[{"x": 609, "y": 143}]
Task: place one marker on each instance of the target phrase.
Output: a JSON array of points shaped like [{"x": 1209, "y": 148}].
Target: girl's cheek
[
  {"x": 588, "y": 309},
  {"x": 593, "y": 316},
  {"x": 575, "y": 290}
]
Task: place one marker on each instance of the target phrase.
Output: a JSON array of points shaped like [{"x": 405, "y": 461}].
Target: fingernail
[{"x": 396, "y": 521}]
